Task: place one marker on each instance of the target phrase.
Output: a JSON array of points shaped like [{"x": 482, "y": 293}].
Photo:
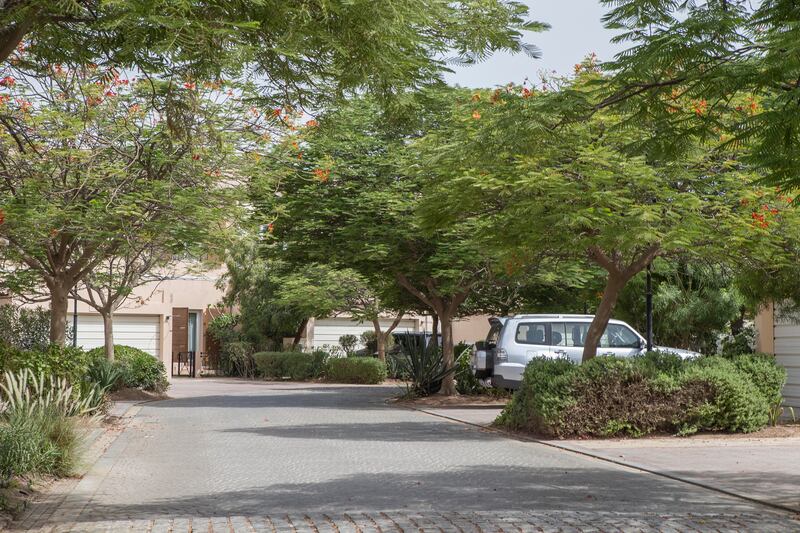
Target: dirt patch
[
  {"x": 455, "y": 401},
  {"x": 14, "y": 498},
  {"x": 771, "y": 432},
  {"x": 135, "y": 395}
]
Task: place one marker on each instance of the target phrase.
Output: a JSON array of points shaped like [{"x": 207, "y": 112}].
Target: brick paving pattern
[{"x": 228, "y": 456}]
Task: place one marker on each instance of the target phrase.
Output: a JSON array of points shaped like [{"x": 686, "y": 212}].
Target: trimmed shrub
[
  {"x": 610, "y": 396},
  {"x": 735, "y": 403},
  {"x": 296, "y": 366},
  {"x": 361, "y": 370},
  {"x": 140, "y": 370}
]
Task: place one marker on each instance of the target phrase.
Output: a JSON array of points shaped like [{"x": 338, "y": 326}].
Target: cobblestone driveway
[{"x": 232, "y": 456}]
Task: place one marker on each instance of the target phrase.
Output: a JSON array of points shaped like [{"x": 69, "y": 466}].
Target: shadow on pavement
[
  {"x": 434, "y": 431},
  {"x": 495, "y": 487}
]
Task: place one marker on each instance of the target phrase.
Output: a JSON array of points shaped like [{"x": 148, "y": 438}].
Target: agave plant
[
  {"x": 423, "y": 363},
  {"x": 23, "y": 391}
]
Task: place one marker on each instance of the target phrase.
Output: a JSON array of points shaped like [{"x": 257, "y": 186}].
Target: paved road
[{"x": 233, "y": 456}]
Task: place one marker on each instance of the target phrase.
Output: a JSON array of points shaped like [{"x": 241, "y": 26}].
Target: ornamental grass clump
[
  {"x": 654, "y": 393},
  {"x": 41, "y": 425}
]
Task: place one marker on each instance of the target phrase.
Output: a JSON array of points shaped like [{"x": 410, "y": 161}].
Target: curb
[{"x": 607, "y": 459}]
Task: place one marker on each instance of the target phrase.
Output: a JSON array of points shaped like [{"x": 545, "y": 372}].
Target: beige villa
[{"x": 168, "y": 319}]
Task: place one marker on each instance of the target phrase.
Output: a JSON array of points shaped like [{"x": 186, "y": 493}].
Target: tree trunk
[
  {"x": 108, "y": 333},
  {"x": 448, "y": 358},
  {"x": 602, "y": 315},
  {"x": 435, "y": 329},
  {"x": 58, "y": 314},
  {"x": 299, "y": 334},
  {"x": 380, "y": 341}
]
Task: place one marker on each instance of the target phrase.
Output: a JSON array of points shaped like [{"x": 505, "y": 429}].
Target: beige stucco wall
[{"x": 471, "y": 329}]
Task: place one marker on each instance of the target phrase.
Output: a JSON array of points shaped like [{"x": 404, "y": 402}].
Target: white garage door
[
  {"x": 328, "y": 330},
  {"x": 787, "y": 352},
  {"x": 139, "y": 331}
]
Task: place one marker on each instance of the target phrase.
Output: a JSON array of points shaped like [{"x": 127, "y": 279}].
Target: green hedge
[
  {"x": 657, "y": 392},
  {"x": 62, "y": 361},
  {"x": 296, "y": 366},
  {"x": 361, "y": 370},
  {"x": 140, "y": 370}
]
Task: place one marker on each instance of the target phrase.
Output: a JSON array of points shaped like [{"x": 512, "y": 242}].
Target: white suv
[{"x": 513, "y": 341}]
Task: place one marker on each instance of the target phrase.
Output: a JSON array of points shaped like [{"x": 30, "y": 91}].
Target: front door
[
  {"x": 192, "y": 332},
  {"x": 182, "y": 361}
]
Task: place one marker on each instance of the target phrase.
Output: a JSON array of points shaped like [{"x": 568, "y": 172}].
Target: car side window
[
  {"x": 532, "y": 333},
  {"x": 575, "y": 333},
  {"x": 619, "y": 336},
  {"x": 494, "y": 335},
  {"x": 558, "y": 334}
]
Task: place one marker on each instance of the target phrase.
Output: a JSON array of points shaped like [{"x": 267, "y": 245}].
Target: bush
[
  {"x": 348, "y": 343},
  {"x": 362, "y": 370},
  {"x": 140, "y": 370},
  {"x": 296, "y": 366},
  {"x": 25, "y": 329},
  {"x": 62, "y": 361},
  {"x": 236, "y": 359},
  {"x": 610, "y": 396},
  {"x": 735, "y": 403}
]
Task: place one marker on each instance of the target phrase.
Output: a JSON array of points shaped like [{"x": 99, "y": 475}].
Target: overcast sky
[{"x": 575, "y": 32}]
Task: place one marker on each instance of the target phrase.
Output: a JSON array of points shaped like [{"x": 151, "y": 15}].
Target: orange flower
[
  {"x": 476, "y": 115},
  {"x": 526, "y": 93},
  {"x": 322, "y": 174},
  {"x": 8, "y": 81},
  {"x": 190, "y": 86},
  {"x": 312, "y": 123},
  {"x": 270, "y": 227}
]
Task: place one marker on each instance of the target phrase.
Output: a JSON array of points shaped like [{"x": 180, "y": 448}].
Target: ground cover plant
[{"x": 657, "y": 392}]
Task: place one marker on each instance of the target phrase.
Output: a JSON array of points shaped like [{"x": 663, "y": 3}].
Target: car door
[
  {"x": 558, "y": 340},
  {"x": 531, "y": 339},
  {"x": 574, "y": 335},
  {"x": 619, "y": 340}
]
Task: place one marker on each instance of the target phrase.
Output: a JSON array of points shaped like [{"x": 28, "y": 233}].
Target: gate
[{"x": 183, "y": 364}]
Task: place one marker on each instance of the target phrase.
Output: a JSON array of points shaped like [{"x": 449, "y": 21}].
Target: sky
[{"x": 575, "y": 32}]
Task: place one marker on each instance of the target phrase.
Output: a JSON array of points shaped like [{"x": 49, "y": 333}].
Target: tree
[
  {"x": 695, "y": 70},
  {"x": 572, "y": 191},
  {"x": 86, "y": 161},
  {"x": 340, "y": 193},
  {"x": 323, "y": 291},
  {"x": 141, "y": 259},
  {"x": 302, "y": 52},
  {"x": 694, "y": 303}
]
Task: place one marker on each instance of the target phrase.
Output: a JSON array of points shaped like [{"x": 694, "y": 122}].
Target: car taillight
[{"x": 502, "y": 355}]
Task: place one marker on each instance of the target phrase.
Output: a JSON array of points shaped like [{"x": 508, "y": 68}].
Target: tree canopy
[
  {"x": 696, "y": 70},
  {"x": 87, "y": 162},
  {"x": 300, "y": 53}
]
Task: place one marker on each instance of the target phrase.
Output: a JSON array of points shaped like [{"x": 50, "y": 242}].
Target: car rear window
[{"x": 532, "y": 333}]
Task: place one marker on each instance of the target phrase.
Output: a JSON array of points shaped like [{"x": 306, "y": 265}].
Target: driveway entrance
[{"x": 227, "y": 455}]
